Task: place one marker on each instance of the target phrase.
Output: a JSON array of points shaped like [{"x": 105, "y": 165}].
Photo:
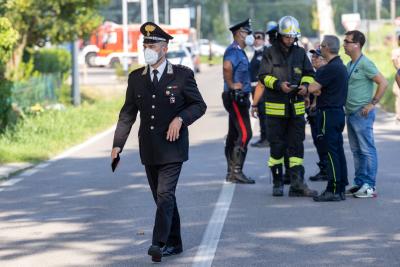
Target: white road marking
[{"x": 206, "y": 251}]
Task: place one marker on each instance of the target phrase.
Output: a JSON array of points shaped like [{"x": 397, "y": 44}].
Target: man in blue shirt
[
  {"x": 331, "y": 88},
  {"x": 236, "y": 101}
]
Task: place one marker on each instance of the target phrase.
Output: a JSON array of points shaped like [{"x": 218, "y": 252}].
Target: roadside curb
[{"x": 10, "y": 169}]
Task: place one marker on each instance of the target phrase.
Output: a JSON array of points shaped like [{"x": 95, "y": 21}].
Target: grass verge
[{"x": 41, "y": 136}]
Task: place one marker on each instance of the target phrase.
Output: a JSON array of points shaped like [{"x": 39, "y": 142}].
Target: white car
[
  {"x": 216, "y": 49},
  {"x": 180, "y": 55}
]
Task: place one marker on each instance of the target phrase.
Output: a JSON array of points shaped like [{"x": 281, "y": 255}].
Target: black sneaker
[
  {"x": 327, "y": 196},
  {"x": 352, "y": 190}
]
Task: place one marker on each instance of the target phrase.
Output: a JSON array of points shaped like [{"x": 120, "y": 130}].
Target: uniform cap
[
  {"x": 152, "y": 33},
  {"x": 316, "y": 51},
  {"x": 245, "y": 25},
  {"x": 259, "y": 33}
]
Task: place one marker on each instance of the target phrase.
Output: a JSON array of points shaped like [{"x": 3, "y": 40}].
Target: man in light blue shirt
[{"x": 360, "y": 112}]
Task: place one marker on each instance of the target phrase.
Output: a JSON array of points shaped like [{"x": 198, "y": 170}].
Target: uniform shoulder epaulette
[
  {"x": 137, "y": 71},
  {"x": 182, "y": 67}
]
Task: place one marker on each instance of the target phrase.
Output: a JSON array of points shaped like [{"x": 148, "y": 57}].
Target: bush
[{"x": 51, "y": 60}]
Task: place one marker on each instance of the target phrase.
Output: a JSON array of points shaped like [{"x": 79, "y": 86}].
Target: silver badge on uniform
[{"x": 172, "y": 100}]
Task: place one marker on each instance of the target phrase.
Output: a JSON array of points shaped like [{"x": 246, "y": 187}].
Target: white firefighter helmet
[{"x": 289, "y": 26}]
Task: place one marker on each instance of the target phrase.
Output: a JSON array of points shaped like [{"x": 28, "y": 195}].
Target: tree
[
  {"x": 54, "y": 21},
  {"x": 8, "y": 39}
]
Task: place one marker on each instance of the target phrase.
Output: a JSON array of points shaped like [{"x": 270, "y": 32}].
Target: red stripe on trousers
[{"x": 241, "y": 123}]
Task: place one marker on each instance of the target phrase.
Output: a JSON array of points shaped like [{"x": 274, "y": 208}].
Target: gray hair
[{"x": 333, "y": 43}]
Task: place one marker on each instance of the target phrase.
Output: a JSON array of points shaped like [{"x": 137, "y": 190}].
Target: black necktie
[{"x": 155, "y": 78}]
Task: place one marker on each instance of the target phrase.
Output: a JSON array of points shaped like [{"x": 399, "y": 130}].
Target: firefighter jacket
[{"x": 278, "y": 66}]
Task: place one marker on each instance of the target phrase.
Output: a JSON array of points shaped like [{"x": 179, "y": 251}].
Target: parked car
[
  {"x": 180, "y": 55},
  {"x": 194, "y": 51},
  {"x": 216, "y": 49}
]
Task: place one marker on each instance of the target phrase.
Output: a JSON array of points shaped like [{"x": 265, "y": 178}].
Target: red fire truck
[{"x": 105, "y": 46}]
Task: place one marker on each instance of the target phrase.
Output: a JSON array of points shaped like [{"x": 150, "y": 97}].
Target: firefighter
[{"x": 285, "y": 69}]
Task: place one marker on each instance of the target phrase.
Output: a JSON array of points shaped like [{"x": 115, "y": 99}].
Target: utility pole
[
  {"x": 325, "y": 18},
  {"x": 125, "y": 35},
  {"x": 155, "y": 12},
  {"x": 166, "y": 11},
  {"x": 392, "y": 9},
  {"x": 198, "y": 21},
  {"x": 143, "y": 10},
  {"x": 355, "y": 6},
  {"x": 225, "y": 12},
  {"x": 378, "y": 4},
  {"x": 75, "y": 92}
]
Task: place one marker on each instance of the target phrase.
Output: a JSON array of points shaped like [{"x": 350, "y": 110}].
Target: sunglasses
[{"x": 258, "y": 37}]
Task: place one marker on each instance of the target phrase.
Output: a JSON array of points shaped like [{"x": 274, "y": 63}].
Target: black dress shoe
[
  {"x": 155, "y": 252},
  {"x": 321, "y": 176},
  {"x": 171, "y": 250},
  {"x": 327, "y": 196}
]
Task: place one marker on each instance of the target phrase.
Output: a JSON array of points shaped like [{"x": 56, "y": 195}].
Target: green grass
[
  {"x": 39, "y": 137},
  {"x": 214, "y": 61},
  {"x": 383, "y": 61}
]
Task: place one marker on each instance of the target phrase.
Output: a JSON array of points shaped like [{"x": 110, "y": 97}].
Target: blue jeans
[{"x": 361, "y": 139}]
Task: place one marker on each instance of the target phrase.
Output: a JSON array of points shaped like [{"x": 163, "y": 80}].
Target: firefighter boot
[
  {"x": 322, "y": 175},
  {"x": 237, "y": 176},
  {"x": 277, "y": 180},
  {"x": 297, "y": 186},
  {"x": 286, "y": 177}
]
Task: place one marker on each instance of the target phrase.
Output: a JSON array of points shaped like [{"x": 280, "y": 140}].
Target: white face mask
[
  {"x": 249, "y": 40},
  {"x": 150, "y": 56}
]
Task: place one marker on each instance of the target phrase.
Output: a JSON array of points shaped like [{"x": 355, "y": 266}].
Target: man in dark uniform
[
  {"x": 169, "y": 101},
  {"x": 259, "y": 45},
  {"x": 235, "y": 97},
  {"x": 284, "y": 69},
  {"x": 317, "y": 60},
  {"x": 331, "y": 88}
]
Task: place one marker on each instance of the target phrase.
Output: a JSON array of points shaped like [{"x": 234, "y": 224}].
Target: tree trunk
[
  {"x": 325, "y": 14},
  {"x": 16, "y": 59}
]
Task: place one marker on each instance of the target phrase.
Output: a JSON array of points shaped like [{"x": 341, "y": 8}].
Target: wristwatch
[
  {"x": 374, "y": 101},
  {"x": 180, "y": 119}
]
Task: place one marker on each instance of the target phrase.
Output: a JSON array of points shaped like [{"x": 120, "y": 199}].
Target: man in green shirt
[{"x": 360, "y": 113}]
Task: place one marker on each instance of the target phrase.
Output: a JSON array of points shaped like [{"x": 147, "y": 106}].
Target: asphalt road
[{"x": 73, "y": 211}]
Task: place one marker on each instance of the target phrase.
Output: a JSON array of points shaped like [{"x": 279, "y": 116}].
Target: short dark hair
[{"x": 358, "y": 37}]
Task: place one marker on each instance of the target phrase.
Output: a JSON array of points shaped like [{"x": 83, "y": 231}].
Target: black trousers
[
  {"x": 163, "y": 180},
  {"x": 286, "y": 136},
  {"x": 262, "y": 117},
  {"x": 323, "y": 157},
  {"x": 330, "y": 128},
  {"x": 239, "y": 132}
]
